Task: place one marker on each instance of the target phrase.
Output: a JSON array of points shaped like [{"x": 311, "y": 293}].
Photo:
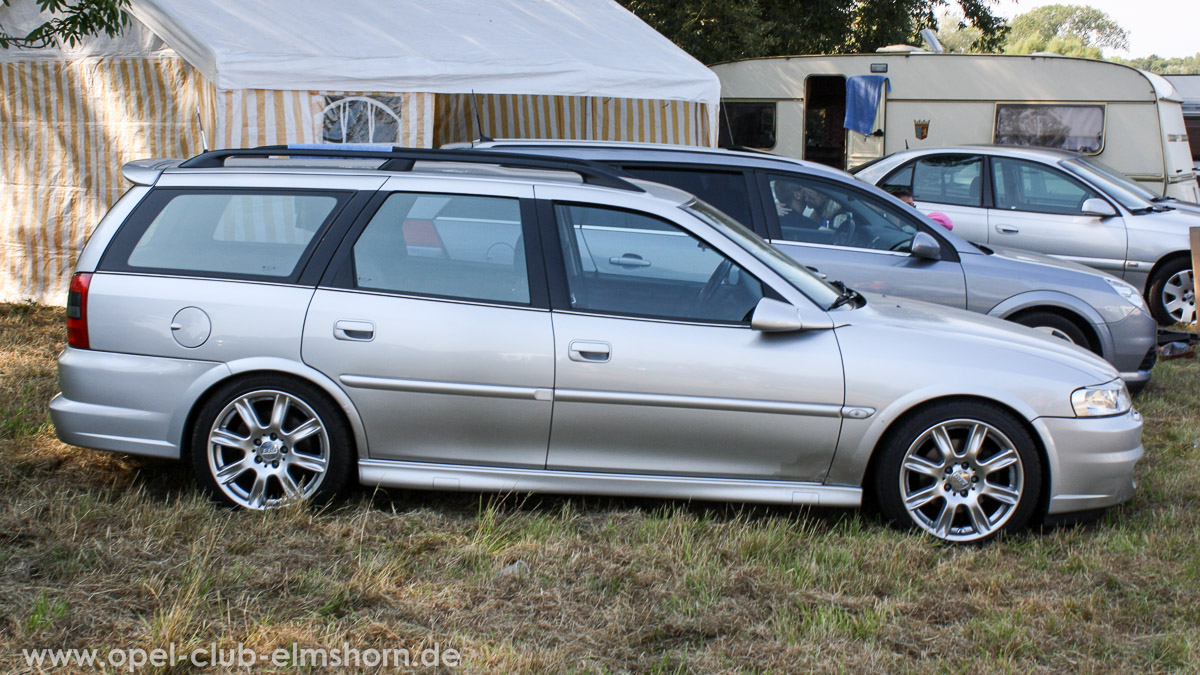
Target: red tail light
[{"x": 77, "y": 331}]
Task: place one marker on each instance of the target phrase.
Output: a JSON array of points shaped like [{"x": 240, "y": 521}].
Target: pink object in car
[{"x": 942, "y": 219}]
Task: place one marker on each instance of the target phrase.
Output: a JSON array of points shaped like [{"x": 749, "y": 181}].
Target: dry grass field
[{"x": 104, "y": 551}]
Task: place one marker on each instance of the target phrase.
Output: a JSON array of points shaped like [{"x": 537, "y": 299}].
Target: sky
[{"x": 1169, "y": 28}]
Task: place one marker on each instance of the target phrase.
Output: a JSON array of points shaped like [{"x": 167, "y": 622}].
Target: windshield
[
  {"x": 806, "y": 282},
  {"x": 1131, "y": 195}
]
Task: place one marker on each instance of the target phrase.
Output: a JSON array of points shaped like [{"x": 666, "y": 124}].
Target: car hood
[
  {"x": 1186, "y": 207},
  {"x": 976, "y": 339},
  {"x": 1175, "y": 221},
  {"x": 1023, "y": 256}
]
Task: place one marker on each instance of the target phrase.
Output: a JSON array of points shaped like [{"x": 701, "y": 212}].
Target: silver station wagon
[{"x": 285, "y": 318}]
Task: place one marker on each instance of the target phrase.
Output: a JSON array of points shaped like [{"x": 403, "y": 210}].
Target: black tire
[
  {"x": 306, "y": 454},
  {"x": 1056, "y": 325},
  {"x": 941, "y": 493},
  {"x": 1170, "y": 300}
]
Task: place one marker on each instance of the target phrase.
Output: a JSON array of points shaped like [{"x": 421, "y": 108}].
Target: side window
[
  {"x": 819, "y": 212},
  {"x": 1025, "y": 186},
  {"x": 631, "y": 263},
  {"x": 949, "y": 179},
  {"x": 454, "y": 246},
  {"x": 242, "y": 233},
  {"x": 749, "y": 124},
  {"x": 725, "y": 190},
  {"x": 900, "y": 179},
  {"x": 1077, "y": 128}
]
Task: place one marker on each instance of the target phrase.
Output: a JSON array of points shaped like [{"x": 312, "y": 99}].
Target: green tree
[
  {"x": 714, "y": 31},
  {"x": 1073, "y": 30},
  {"x": 69, "y": 21},
  {"x": 956, "y": 35},
  {"x": 1186, "y": 65}
]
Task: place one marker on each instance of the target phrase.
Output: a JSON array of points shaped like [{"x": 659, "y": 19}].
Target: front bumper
[
  {"x": 1091, "y": 460},
  {"x": 1135, "y": 345}
]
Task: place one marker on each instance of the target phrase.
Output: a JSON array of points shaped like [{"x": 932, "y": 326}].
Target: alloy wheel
[
  {"x": 267, "y": 448},
  {"x": 961, "y": 480}
]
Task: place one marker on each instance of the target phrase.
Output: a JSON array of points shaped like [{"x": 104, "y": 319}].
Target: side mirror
[
  {"x": 773, "y": 316},
  {"x": 926, "y": 247},
  {"x": 1097, "y": 207}
]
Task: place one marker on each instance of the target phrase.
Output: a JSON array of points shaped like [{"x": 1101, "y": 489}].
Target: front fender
[{"x": 1060, "y": 301}]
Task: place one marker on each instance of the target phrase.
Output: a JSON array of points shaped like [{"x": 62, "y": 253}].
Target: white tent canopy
[{"x": 551, "y": 47}]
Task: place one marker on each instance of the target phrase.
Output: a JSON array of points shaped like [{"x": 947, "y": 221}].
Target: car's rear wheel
[
  {"x": 1055, "y": 325},
  {"x": 266, "y": 441},
  {"x": 1172, "y": 294},
  {"x": 963, "y": 472}
]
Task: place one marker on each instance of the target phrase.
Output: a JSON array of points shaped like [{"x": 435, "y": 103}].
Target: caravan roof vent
[{"x": 899, "y": 49}]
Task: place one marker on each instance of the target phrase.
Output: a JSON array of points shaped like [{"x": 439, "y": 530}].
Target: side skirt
[{"x": 453, "y": 477}]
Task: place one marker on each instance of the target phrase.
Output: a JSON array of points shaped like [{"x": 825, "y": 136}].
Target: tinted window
[
  {"x": 949, "y": 179},
  {"x": 232, "y": 233},
  {"x": 1078, "y": 128},
  {"x": 748, "y": 124},
  {"x": 1025, "y": 186},
  {"x": 818, "y": 212},
  {"x": 445, "y": 245},
  {"x": 631, "y": 263},
  {"x": 724, "y": 190}
]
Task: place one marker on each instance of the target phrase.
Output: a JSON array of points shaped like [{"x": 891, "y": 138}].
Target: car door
[
  {"x": 657, "y": 368},
  {"x": 433, "y": 318},
  {"x": 950, "y": 183},
  {"x": 859, "y": 239},
  {"x": 1039, "y": 208}
]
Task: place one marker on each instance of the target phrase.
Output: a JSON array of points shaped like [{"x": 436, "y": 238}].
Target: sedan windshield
[
  {"x": 806, "y": 282},
  {"x": 1131, "y": 195}
]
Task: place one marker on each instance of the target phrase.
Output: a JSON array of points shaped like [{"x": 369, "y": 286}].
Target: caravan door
[{"x": 861, "y": 149}]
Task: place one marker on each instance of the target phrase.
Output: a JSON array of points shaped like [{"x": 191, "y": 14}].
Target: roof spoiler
[
  {"x": 403, "y": 159},
  {"x": 146, "y": 171}
]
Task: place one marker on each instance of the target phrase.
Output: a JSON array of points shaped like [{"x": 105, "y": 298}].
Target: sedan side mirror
[
  {"x": 1097, "y": 207},
  {"x": 773, "y": 316},
  {"x": 926, "y": 247}
]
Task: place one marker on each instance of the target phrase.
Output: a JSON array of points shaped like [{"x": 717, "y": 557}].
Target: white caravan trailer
[
  {"x": 1188, "y": 87},
  {"x": 1130, "y": 119}
]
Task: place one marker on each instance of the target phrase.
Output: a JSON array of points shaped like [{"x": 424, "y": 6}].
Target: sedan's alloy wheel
[
  {"x": 961, "y": 480},
  {"x": 1179, "y": 296},
  {"x": 267, "y": 448}
]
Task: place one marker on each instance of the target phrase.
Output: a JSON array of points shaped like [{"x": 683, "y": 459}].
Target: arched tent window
[{"x": 361, "y": 119}]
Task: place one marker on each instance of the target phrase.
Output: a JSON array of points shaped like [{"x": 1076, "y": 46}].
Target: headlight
[
  {"x": 1101, "y": 400},
  {"x": 1128, "y": 292}
]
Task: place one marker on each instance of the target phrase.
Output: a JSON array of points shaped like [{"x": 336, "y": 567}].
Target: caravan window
[
  {"x": 1076, "y": 128},
  {"x": 749, "y": 124}
]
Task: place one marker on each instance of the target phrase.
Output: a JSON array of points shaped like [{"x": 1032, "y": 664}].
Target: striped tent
[{"x": 421, "y": 73}]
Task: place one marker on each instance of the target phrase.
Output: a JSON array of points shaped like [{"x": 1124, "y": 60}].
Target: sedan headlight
[
  {"x": 1128, "y": 292},
  {"x": 1101, "y": 400}
]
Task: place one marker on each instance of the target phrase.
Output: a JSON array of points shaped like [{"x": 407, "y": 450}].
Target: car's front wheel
[
  {"x": 266, "y": 441},
  {"x": 1172, "y": 294},
  {"x": 962, "y": 471}
]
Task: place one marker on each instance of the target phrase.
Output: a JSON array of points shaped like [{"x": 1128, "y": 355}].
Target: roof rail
[{"x": 403, "y": 159}]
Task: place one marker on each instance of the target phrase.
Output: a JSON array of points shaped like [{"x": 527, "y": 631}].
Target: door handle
[
  {"x": 817, "y": 272},
  {"x": 354, "y": 331},
  {"x": 629, "y": 260},
  {"x": 589, "y": 352},
  {"x": 1006, "y": 229}
]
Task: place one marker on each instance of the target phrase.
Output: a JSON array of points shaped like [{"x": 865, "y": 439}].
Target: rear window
[{"x": 217, "y": 233}]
